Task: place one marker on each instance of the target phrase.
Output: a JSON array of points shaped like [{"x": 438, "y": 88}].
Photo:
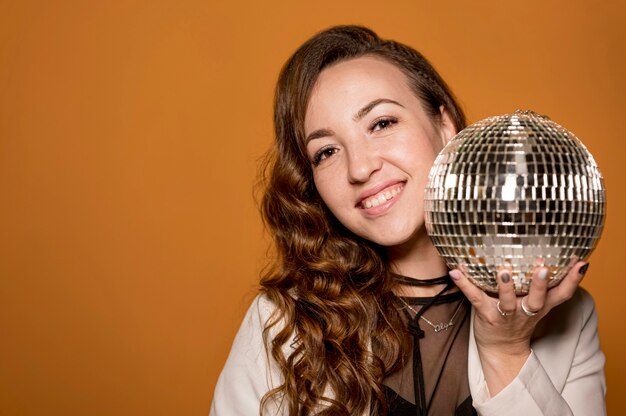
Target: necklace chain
[{"x": 442, "y": 326}]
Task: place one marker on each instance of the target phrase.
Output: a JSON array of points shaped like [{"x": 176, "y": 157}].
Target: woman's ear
[{"x": 447, "y": 130}]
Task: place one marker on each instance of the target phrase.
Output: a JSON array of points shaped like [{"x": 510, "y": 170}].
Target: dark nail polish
[
  {"x": 505, "y": 277},
  {"x": 583, "y": 269}
]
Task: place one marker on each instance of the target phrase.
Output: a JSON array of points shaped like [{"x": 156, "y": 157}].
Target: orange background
[{"x": 130, "y": 135}]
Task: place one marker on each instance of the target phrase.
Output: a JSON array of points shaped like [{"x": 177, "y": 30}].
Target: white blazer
[{"x": 564, "y": 375}]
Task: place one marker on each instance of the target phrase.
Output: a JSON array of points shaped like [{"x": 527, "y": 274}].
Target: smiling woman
[{"x": 338, "y": 328}]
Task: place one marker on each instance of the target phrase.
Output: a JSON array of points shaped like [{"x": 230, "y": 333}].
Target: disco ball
[{"x": 509, "y": 190}]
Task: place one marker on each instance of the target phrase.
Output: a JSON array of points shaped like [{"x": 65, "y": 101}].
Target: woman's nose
[{"x": 363, "y": 161}]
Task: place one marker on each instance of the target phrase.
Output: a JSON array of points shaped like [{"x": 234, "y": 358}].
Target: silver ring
[
  {"x": 527, "y": 311},
  {"x": 500, "y": 310}
]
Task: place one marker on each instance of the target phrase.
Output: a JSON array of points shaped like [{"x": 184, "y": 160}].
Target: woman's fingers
[
  {"x": 506, "y": 292},
  {"x": 565, "y": 290},
  {"x": 536, "y": 298},
  {"x": 475, "y": 295},
  {"x": 539, "y": 298}
]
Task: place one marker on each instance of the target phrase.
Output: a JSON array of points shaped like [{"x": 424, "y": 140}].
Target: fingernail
[
  {"x": 455, "y": 274},
  {"x": 543, "y": 273},
  {"x": 505, "y": 277},
  {"x": 583, "y": 269}
]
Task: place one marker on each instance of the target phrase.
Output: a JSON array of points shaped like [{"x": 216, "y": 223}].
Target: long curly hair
[{"x": 336, "y": 331}]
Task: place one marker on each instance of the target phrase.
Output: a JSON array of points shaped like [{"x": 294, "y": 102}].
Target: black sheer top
[{"x": 433, "y": 379}]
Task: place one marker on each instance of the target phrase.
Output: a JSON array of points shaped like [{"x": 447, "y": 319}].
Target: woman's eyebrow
[
  {"x": 317, "y": 134},
  {"x": 368, "y": 107}
]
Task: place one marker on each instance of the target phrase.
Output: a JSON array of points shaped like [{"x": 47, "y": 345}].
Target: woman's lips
[{"x": 382, "y": 196}]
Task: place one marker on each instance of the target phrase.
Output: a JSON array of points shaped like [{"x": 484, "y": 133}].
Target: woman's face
[{"x": 371, "y": 145}]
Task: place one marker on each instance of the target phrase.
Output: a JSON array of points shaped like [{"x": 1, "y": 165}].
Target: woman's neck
[{"x": 418, "y": 259}]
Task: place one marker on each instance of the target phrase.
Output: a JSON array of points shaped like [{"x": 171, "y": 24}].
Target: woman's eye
[
  {"x": 383, "y": 123},
  {"x": 323, "y": 153}
]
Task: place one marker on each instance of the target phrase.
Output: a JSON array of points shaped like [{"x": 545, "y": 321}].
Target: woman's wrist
[{"x": 502, "y": 365}]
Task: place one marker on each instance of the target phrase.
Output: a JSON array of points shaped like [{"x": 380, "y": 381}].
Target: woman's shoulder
[
  {"x": 263, "y": 315},
  {"x": 566, "y": 341},
  {"x": 572, "y": 326},
  {"x": 257, "y": 316},
  {"x": 249, "y": 351},
  {"x": 249, "y": 371},
  {"x": 577, "y": 310},
  {"x": 582, "y": 298},
  {"x": 261, "y": 310}
]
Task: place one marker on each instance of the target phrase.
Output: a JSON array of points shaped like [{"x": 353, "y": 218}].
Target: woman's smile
[{"x": 383, "y": 198}]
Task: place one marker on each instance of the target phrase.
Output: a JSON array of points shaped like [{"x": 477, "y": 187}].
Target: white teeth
[{"x": 381, "y": 198}]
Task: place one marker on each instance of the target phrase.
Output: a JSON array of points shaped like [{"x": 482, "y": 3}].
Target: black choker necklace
[{"x": 403, "y": 280}]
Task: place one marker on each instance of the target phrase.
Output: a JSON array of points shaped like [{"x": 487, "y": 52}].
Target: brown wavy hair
[{"x": 331, "y": 289}]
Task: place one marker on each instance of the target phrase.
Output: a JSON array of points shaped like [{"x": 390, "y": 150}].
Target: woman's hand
[{"x": 503, "y": 326}]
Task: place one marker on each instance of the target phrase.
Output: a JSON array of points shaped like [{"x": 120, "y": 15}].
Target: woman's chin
[
  {"x": 391, "y": 239},
  {"x": 402, "y": 237}
]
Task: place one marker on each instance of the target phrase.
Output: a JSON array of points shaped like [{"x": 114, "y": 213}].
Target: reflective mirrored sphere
[{"x": 512, "y": 189}]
